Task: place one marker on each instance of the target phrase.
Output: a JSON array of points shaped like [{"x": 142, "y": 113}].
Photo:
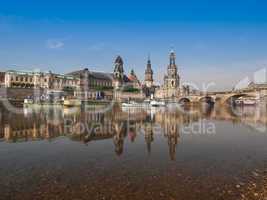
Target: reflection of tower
[
  {"x": 132, "y": 132},
  {"x": 118, "y": 142},
  {"x": 7, "y": 132},
  {"x": 172, "y": 142},
  {"x": 149, "y": 136},
  {"x": 118, "y": 139},
  {"x": 171, "y": 131},
  {"x": 148, "y": 74},
  {"x": 118, "y": 73},
  {"x": 2, "y": 131}
]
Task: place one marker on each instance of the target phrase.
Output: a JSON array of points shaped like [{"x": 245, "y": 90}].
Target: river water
[{"x": 154, "y": 153}]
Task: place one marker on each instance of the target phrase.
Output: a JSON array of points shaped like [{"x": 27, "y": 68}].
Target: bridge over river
[{"x": 225, "y": 97}]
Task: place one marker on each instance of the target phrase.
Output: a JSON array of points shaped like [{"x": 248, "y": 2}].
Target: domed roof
[{"x": 132, "y": 76}]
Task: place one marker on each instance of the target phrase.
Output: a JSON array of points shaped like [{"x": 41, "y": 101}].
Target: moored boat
[
  {"x": 72, "y": 102},
  {"x": 173, "y": 105},
  {"x": 27, "y": 102},
  {"x": 246, "y": 102},
  {"x": 155, "y": 103},
  {"x": 249, "y": 102},
  {"x": 131, "y": 104}
]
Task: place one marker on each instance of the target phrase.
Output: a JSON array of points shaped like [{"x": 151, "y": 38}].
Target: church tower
[
  {"x": 118, "y": 73},
  {"x": 148, "y": 74},
  {"x": 173, "y": 79},
  {"x": 118, "y": 70}
]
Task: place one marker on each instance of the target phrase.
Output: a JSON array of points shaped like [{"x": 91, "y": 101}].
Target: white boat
[
  {"x": 249, "y": 102},
  {"x": 155, "y": 103},
  {"x": 131, "y": 104},
  {"x": 28, "y": 101},
  {"x": 173, "y": 105},
  {"x": 72, "y": 102},
  {"x": 146, "y": 103}
]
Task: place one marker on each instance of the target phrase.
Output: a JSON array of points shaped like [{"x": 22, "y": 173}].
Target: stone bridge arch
[
  {"x": 183, "y": 100},
  {"x": 231, "y": 97},
  {"x": 197, "y": 99},
  {"x": 206, "y": 99}
]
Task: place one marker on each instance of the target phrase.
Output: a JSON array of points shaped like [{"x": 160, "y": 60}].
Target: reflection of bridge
[{"x": 224, "y": 97}]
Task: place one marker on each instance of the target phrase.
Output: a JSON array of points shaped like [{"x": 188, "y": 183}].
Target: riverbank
[{"x": 144, "y": 154}]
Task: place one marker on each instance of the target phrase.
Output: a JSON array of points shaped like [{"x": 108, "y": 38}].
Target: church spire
[
  {"x": 118, "y": 69},
  {"x": 132, "y": 72},
  {"x": 172, "y": 58},
  {"x": 148, "y": 59},
  {"x": 148, "y": 73},
  {"x": 148, "y": 63}
]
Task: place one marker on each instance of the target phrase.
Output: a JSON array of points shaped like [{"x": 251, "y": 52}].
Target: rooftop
[
  {"x": 95, "y": 74},
  {"x": 32, "y": 73}
]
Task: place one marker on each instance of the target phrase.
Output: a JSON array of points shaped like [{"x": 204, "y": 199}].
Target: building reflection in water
[
  {"x": 149, "y": 138},
  {"x": 117, "y": 124}
]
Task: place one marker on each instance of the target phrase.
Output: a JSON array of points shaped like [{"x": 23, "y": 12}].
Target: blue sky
[{"x": 215, "y": 41}]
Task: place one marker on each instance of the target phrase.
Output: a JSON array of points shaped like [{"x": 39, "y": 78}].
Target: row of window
[
  {"x": 66, "y": 81},
  {"x": 30, "y": 80},
  {"x": 93, "y": 95},
  {"x": 22, "y": 79},
  {"x": 100, "y": 83}
]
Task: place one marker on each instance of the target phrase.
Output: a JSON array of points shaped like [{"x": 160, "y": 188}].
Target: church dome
[{"x": 132, "y": 77}]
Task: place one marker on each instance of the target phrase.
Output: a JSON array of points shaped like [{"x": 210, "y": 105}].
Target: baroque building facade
[
  {"x": 104, "y": 85},
  {"x": 43, "y": 80},
  {"x": 149, "y": 74},
  {"x": 92, "y": 85},
  {"x": 120, "y": 80},
  {"x": 149, "y": 87},
  {"x": 84, "y": 84},
  {"x": 125, "y": 87},
  {"x": 171, "y": 86}
]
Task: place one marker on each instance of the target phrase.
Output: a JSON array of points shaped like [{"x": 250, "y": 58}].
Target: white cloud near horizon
[
  {"x": 54, "y": 44},
  {"x": 260, "y": 76}
]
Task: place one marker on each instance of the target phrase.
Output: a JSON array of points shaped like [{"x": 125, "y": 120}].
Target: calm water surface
[{"x": 198, "y": 153}]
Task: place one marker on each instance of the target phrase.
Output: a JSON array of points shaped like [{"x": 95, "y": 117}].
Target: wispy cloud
[
  {"x": 54, "y": 44},
  {"x": 242, "y": 83}
]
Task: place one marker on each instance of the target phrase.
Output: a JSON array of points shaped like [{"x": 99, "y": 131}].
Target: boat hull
[{"x": 72, "y": 103}]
